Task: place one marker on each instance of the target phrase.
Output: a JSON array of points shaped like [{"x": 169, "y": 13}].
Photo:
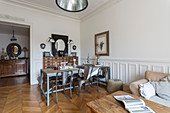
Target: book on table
[{"x": 133, "y": 105}]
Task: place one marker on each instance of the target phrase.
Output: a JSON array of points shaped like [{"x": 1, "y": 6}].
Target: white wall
[
  {"x": 43, "y": 25},
  {"x": 139, "y": 35},
  {"x": 21, "y": 40}
]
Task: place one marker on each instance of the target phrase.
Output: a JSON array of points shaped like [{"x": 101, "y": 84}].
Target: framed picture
[
  {"x": 42, "y": 46},
  {"x": 74, "y": 54},
  {"x": 46, "y": 54},
  {"x": 102, "y": 44}
]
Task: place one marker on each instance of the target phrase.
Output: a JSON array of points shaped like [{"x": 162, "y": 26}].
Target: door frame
[{"x": 30, "y": 42}]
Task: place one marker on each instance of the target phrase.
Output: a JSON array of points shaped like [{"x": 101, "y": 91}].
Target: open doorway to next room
[{"x": 14, "y": 54}]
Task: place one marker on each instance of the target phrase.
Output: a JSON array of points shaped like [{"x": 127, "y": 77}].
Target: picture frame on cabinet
[
  {"x": 46, "y": 54},
  {"x": 74, "y": 54}
]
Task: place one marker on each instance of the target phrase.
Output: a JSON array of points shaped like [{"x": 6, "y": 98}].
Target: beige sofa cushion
[
  {"x": 162, "y": 88},
  {"x": 134, "y": 86},
  {"x": 154, "y": 76}
]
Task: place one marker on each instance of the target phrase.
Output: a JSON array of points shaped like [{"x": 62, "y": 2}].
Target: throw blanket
[{"x": 162, "y": 88}]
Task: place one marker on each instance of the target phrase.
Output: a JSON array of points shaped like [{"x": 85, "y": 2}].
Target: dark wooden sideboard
[
  {"x": 50, "y": 61},
  {"x": 13, "y": 67}
]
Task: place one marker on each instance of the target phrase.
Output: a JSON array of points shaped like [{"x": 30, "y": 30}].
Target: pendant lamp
[
  {"x": 72, "y": 5},
  {"x": 13, "y": 37}
]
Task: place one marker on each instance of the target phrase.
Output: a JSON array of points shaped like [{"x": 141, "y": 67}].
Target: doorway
[{"x": 15, "y": 53}]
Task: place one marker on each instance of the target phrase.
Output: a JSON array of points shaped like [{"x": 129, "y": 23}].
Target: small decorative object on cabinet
[
  {"x": 4, "y": 55},
  {"x": 74, "y": 54},
  {"x": 46, "y": 54},
  {"x": 74, "y": 64},
  {"x": 102, "y": 44},
  {"x": 70, "y": 42},
  {"x": 24, "y": 50},
  {"x": 97, "y": 60}
]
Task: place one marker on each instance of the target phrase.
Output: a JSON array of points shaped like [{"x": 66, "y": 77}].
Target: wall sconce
[{"x": 50, "y": 40}]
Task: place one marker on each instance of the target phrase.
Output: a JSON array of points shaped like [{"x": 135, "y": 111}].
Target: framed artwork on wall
[{"x": 102, "y": 44}]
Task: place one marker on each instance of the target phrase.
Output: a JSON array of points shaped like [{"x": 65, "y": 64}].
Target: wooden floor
[
  {"x": 9, "y": 81},
  {"x": 23, "y": 98}
]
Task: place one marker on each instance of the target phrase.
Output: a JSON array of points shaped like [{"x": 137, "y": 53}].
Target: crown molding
[
  {"x": 99, "y": 10},
  {"x": 28, "y": 5}
]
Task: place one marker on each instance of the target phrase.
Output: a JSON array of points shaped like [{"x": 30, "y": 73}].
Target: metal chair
[
  {"x": 85, "y": 79},
  {"x": 80, "y": 75},
  {"x": 89, "y": 71},
  {"x": 101, "y": 75},
  {"x": 63, "y": 80}
]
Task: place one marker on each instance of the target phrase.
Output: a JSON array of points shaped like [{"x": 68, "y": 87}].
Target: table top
[
  {"x": 109, "y": 104},
  {"x": 50, "y": 71}
]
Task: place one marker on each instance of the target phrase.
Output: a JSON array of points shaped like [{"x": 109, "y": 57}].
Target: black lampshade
[
  {"x": 13, "y": 37},
  {"x": 72, "y": 5}
]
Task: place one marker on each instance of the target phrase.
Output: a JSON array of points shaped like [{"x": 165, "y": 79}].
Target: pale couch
[{"x": 150, "y": 76}]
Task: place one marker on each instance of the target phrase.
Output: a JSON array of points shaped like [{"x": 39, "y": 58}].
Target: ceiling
[{"x": 51, "y": 7}]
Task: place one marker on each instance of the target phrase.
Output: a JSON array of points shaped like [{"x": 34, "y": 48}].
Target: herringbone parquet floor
[{"x": 24, "y": 98}]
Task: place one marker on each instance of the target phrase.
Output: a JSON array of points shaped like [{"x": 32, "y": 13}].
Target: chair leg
[
  {"x": 97, "y": 84},
  {"x": 70, "y": 92},
  {"x": 79, "y": 90},
  {"x": 64, "y": 89},
  {"x": 56, "y": 93},
  {"x": 92, "y": 82},
  {"x": 52, "y": 88},
  {"x": 74, "y": 87},
  {"x": 89, "y": 86}
]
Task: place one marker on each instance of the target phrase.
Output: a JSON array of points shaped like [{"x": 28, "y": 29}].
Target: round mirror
[
  {"x": 13, "y": 50},
  {"x": 60, "y": 45}
]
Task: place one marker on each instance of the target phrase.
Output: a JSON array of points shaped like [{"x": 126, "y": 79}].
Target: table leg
[{"x": 48, "y": 91}]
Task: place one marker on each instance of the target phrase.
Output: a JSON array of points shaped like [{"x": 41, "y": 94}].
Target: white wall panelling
[
  {"x": 115, "y": 70},
  {"x": 37, "y": 65},
  {"x": 129, "y": 70}
]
